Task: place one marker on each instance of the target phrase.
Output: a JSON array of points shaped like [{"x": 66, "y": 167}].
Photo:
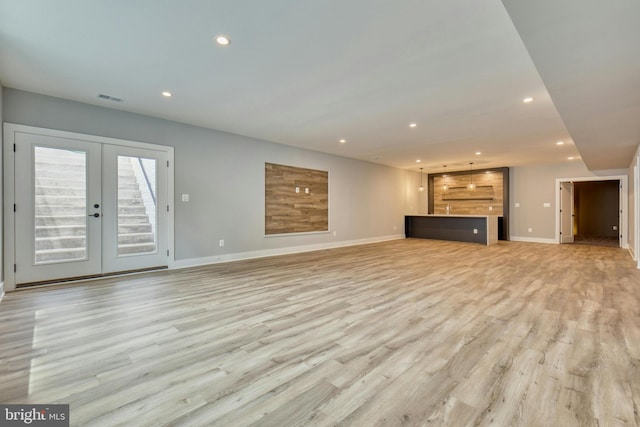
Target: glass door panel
[
  {"x": 137, "y": 206},
  {"x": 60, "y": 190}
]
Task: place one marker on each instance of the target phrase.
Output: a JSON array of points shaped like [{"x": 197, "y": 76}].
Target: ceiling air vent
[{"x": 109, "y": 98}]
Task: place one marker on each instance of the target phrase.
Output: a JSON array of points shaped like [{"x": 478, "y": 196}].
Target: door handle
[{"x": 95, "y": 215}]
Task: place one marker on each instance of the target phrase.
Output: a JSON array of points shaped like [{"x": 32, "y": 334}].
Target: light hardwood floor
[{"x": 409, "y": 332}]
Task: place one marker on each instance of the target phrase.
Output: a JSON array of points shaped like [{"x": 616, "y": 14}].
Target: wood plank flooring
[{"x": 409, "y": 332}]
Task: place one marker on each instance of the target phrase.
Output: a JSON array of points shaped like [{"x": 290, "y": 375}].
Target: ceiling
[{"x": 308, "y": 73}]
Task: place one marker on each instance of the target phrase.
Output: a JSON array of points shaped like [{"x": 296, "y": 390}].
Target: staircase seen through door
[{"x": 61, "y": 206}]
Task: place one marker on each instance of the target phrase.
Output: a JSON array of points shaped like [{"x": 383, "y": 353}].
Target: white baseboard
[
  {"x": 634, "y": 256},
  {"x": 195, "y": 262},
  {"x": 1, "y": 290},
  {"x": 532, "y": 239}
]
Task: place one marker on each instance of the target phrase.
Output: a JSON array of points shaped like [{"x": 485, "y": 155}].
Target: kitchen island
[{"x": 460, "y": 228}]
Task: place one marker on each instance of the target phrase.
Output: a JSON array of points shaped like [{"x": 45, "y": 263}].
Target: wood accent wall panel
[
  {"x": 289, "y": 212},
  {"x": 463, "y": 201}
]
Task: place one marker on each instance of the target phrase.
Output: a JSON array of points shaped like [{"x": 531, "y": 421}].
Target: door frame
[
  {"x": 623, "y": 226},
  {"x": 10, "y": 131},
  {"x": 635, "y": 250}
]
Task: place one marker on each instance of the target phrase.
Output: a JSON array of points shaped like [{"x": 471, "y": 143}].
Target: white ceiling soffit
[
  {"x": 588, "y": 55},
  {"x": 310, "y": 73}
]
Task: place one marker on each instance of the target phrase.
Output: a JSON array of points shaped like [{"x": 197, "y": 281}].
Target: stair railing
[
  {"x": 148, "y": 182},
  {"x": 145, "y": 171}
]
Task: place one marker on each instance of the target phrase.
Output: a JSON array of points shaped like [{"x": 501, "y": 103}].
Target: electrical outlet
[
  {"x": 530, "y": 230},
  {"x": 517, "y": 205},
  {"x": 221, "y": 243},
  {"x": 490, "y": 208},
  {"x": 615, "y": 227},
  {"x": 475, "y": 231},
  {"x": 334, "y": 233}
]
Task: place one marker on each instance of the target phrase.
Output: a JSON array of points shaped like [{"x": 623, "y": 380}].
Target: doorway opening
[
  {"x": 592, "y": 211},
  {"x": 597, "y": 213}
]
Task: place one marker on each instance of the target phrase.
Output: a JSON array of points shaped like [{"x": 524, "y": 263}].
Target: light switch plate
[{"x": 185, "y": 197}]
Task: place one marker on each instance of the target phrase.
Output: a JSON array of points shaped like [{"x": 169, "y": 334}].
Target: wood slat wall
[
  {"x": 462, "y": 200},
  {"x": 289, "y": 212}
]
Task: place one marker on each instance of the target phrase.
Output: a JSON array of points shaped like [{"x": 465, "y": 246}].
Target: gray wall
[
  {"x": 224, "y": 176},
  {"x": 1, "y": 198},
  {"x": 532, "y": 187}
]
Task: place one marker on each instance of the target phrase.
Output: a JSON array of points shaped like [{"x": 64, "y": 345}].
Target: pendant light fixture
[
  {"x": 471, "y": 185},
  {"x": 445, "y": 187},
  {"x": 421, "y": 188}
]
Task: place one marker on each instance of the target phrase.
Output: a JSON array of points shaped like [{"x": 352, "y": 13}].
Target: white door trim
[
  {"x": 10, "y": 131},
  {"x": 636, "y": 210},
  {"x": 624, "y": 203}
]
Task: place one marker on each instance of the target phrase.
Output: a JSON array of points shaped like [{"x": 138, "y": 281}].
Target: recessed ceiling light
[
  {"x": 412, "y": 125},
  {"x": 527, "y": 99},
  {"x": 167, "y": 94},
  {"x": 478, "y": 153},
  {"x": 223, "y": 40},
  {"x": 560, "y": 143},
  {"x": 418, "y": 161},
  {"x": 343, "y": 141},
  {"x": 570, "y": 158}
]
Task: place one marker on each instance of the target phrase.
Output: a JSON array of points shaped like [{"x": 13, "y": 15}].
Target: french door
[{"x": 86, "y": 208}]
